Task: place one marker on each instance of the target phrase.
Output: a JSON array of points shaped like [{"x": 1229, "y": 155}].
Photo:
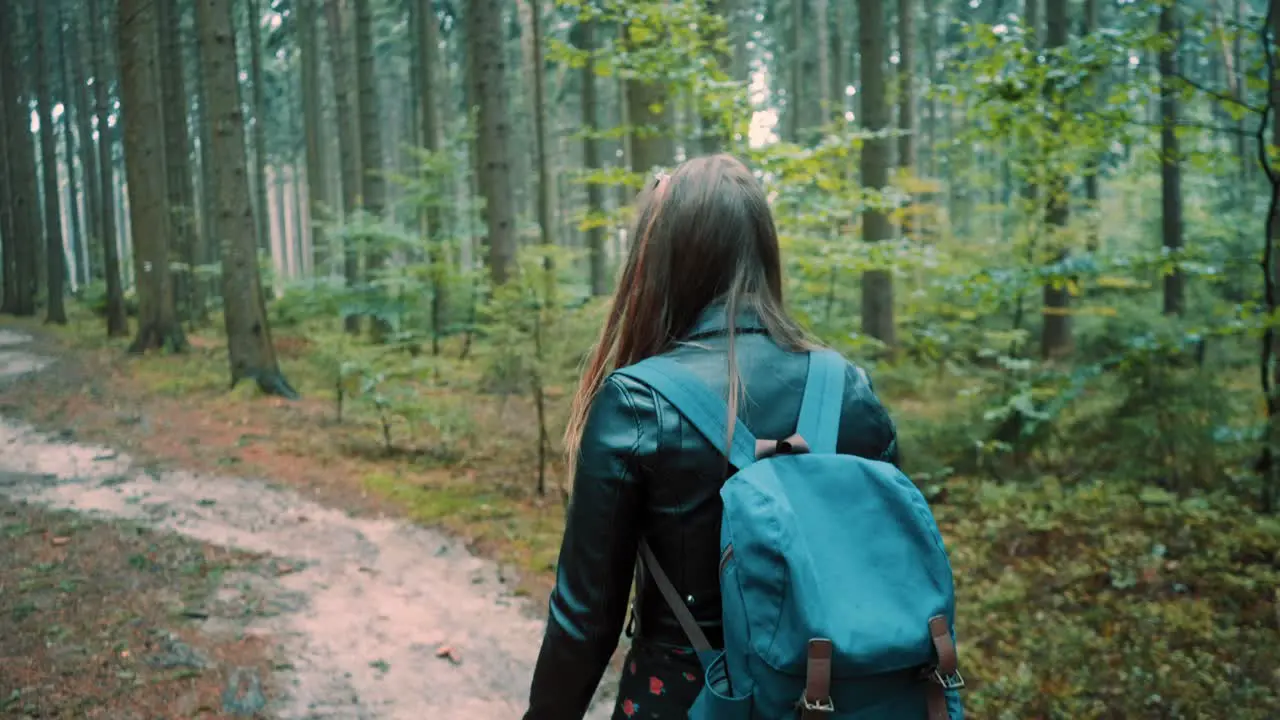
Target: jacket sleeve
[
  {"x": 866, "y": 430},
  {"x": 598, "y": 553}
]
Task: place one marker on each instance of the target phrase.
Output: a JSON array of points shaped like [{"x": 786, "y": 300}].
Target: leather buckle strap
[
  {"x": 946, "y": 674},
  {"x": 816, "y": 700}
]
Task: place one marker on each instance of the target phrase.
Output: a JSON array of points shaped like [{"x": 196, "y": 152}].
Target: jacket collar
[{"x": 714, "y": 320}]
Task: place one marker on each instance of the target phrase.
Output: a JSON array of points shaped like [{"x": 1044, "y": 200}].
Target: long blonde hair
[{"x": 702, "y": 234}]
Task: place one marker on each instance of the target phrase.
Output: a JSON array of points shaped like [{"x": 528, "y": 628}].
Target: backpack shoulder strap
[
  {"x": 697, "y": 638},
  {"x": 823, "y": 400},
  {"x": 705, "y": 410}
]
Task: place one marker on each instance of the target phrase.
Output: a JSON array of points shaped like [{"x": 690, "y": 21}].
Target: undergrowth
[{"x": 1108, "y": 561}]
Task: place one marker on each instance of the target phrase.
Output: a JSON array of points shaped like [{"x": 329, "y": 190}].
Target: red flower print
[
  {"x": 655, "y": 686},
  {"x": 629, "y": 708},
  {"x": 633, "y": 667},
  {"x": 690, "y": 677}
]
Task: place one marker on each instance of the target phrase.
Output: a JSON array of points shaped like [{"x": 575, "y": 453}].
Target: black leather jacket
[{"x": 644, "y": 471}]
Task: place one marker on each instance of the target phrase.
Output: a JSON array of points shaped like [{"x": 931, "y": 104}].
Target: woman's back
[
  {"x": 684, "y": 473},
  {"x": 639, "y": 452},
  {"x": 701, "y": 283}
]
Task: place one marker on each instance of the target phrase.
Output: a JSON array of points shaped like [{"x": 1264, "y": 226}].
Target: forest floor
[
  {"x": 139, "y": 578},
  {"x": 359, "y": 564}
]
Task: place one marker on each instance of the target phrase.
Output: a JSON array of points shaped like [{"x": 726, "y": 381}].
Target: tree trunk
[
  {"x": 317, "y": 177},
  {"x": 713, "y": 134},
  {"x": 930, "y": 168},
  {"x": 1091, "y": 170},
  {"x": 795, "y": 73},
  {"x": 1170, "y": 161},
  {"x": 99, "y": 49},
  {"x": 484, "y": 36},
  {"x": 23, "y": 179},
  {"x": 877, "y": 285},
  {"x": 741, "y": 19},
  {"x": 840, "y": 50},
  {"x": 249, "y": 347},
  {"x": 69, "y": 105},
  {"x": 822, "y": 30},
  {"x": 8, "y": 237},
  {"x": 429, "y": 117},
  {"x": 1242, "y": 137},
  {"x": 9, "y": 283},
  {"x": 90, "y": 179},
  {"x": 177, "y": 153},
  {"x": 1055, "y": 333},
  {"x": 373, "y": 185},
  {"x": 340, "y": 58},
  {"x": 55, "y": 255},
  {"x": 137, "y": 33},
  {"x": 656, "y": 146},
  {"x": 263, "y": 218},
  {"x": 208, "y": 250},
  {"x": 906, "y": 101},
  {"x": 546, "y": 207},
  {"x": 585, "y": 41}
]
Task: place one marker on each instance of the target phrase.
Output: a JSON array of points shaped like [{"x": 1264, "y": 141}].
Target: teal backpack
[{"x": 837, "y": 593}]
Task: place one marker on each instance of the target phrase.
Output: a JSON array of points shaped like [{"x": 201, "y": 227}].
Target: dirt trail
[{"x": 373, "y": 618}]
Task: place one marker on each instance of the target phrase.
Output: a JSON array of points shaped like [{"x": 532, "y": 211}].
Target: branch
[{"x": 1218, "y": 94}]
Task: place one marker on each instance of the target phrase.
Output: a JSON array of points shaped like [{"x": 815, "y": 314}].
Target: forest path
[{"x": 371, "y": 618}]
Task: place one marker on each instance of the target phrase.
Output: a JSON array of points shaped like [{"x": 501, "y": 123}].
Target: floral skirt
[{"x": 659, "y": 682}]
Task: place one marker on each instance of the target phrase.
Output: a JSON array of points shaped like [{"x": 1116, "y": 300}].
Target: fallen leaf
[{"x": 448, "y": 653}]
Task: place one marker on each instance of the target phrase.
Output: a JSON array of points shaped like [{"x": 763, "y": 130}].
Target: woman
[{"x": 702, "y": 284}]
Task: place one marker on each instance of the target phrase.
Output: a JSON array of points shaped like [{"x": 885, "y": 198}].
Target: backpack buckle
[
  {"x": 951, "y": 681},
  {"x": 823, "y": 705}
]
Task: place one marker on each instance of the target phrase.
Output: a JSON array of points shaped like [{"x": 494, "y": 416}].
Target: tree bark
[
  {"x": 822, "y": 30},
  {"x": 906, "y": 101},
  {"x": 546, "y": 208},
  {"x": 207, "y": 247},
  {"x": 585, "y": 41},
  {"x": 263, "y": 218},
  {"x": 373, "y": 185},
  {"x": 1055, "y": 333},
  {"x": 317, "y": 177},
  {"x": 652, "y": 141},
  {"x": 23, "y": 179},
  {"x": 249, "y": 347},
  {"x": 90, "y": 180},
  {"x": 795, "y": 73},
  {"x": 344, "y": 84},
  {"x": 429, "y": 117},
  {"x": 1091, "y": 170},
  {"x": 70, "y": 110},
  {"x": 741, "y": 19},
  {"x": 484, "y": 35},
  {"x": 906, "y": 86},
  {"x": 177, "y": 139},
  {"x": 930, "y": 128},
  {"x": 1170, "y": 161},
  {"x": 99, "y": 49},
  {"x": 143, "y": 119},
  {"x": 9, "y": 285},
  {"x": 877, "y": 285},
  {"x": 55, "y": 256},
  {"x": 840, "y": 50}
]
